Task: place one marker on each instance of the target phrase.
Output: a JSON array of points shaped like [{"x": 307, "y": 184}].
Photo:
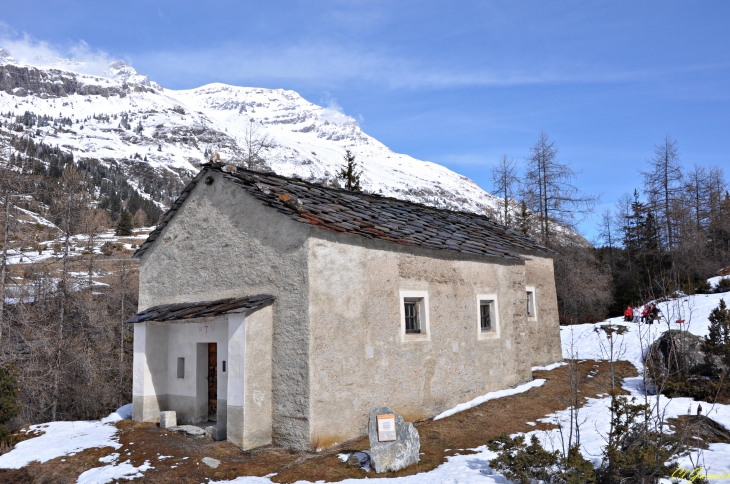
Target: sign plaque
[{"x": 386, "y": 427}]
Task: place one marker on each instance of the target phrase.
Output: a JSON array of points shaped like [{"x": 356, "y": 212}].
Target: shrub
[
  {"x": 703, "y": 287},
  {"x": 723, "y": 285},
  {"x": 525, "y": 464},
  {"x": 636, "y": 451},
  {"x": 522, "y": 463}
]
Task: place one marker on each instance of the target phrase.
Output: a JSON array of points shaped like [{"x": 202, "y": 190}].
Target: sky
[{"x": 457, "y": 83}]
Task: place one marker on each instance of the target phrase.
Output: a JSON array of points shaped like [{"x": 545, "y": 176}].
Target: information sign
[{"x": 386, "y": 427}]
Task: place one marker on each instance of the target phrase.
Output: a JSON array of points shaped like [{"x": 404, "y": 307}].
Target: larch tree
[
  {"x": 505, "y": 184},
  {"x": 663, "y": 181},
  {"x": 549, "y": 189}
]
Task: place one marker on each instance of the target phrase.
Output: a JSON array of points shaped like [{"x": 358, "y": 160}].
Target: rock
[
  {"x": 676, "y": 352},
  {"x": 188, "y": 429},
  {"x": 168, "y": 419},
  {"x": 395, "y": 455},
  {"x": 360, "y": 459},
  {"x": 216, "y": 432},
  {"x": 210, "y": 462}
]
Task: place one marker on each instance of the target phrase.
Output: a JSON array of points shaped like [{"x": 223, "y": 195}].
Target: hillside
[{"x": 157, "y": 137}]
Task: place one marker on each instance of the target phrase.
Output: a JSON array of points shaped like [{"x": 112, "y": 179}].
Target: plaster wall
[
  {"x": 257, "y": 422},
  {"x": 544, "y": 331},
  {"x": 187, "y": 396},
  {"x": 224, "y": 243},
  {"x": 249, "y": 403},
  {"x": 358, "y": 359},
  {"x": 149, "y": 372}
]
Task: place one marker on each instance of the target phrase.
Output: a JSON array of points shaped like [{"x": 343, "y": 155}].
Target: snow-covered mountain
[{"x": 124, "y": 117}]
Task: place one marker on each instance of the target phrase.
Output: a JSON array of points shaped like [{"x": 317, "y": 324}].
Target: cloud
[
  {"x": 327, "y": 64},
  {"x": 78, "y": 57},
  {"x": 334, "y": 113}
]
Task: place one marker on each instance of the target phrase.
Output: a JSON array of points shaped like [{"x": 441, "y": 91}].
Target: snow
[
  {"x": 549, "y": 367},
  {"x": 714, "y": 281},
  {"x": 125, "y": 470},
  {"x": 64, "y": 438},
  {"x": 491, "y": 396},
  {"x": 309, "y": 141}
]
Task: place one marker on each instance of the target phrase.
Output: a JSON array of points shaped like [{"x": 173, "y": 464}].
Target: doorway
[{"x": 212, "y": 382}]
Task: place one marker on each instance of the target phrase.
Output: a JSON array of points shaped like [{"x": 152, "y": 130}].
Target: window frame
[
  {"x": 531, "y": 296},
  {"x": 421, "y": 299},
  {"x": 494, "y": 316}
]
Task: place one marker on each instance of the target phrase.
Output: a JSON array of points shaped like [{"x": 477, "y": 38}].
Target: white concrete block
[{"x": 168, "y": 419}]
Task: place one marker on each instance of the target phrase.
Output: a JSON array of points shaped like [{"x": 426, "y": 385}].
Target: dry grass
[{"x": 465, "y": 430}]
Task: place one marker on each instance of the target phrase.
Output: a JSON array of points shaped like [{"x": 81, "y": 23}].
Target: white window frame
[
  {"x": 531, "y": 290},
  {"x": 425, "y": 334},
  {"x": 494, "y": 333}
]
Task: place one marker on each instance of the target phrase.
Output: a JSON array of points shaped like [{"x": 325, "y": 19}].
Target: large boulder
[
  {"x": 675, "y": 352},
  {"x": 679, "y": 352},
  {"x": 397, "y": 454}
]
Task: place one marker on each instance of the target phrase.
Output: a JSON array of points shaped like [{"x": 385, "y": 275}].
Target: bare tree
[
  {"x": 505, "y": 184},
  {"x": 550, "y": 191},
  {"x": 71, "y": 203},
  {"x": 255, "y": 145},
  {"x": 608, "y": 233},
  {"x": 663, "y": 182}
]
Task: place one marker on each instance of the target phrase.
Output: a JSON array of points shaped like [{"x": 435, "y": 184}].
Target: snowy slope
[{"x": 177, "y": 127}]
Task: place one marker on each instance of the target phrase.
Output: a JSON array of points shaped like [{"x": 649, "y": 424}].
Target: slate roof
[
  {"x": 370, "y": 216},
  {"x": 205, "y": 309}
]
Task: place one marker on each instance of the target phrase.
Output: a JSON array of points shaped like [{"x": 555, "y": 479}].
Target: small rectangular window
[
  {"x": 411, "y": 307},
  {"x": 485, "y": 316},
  {"x": 414, "y": 316},
  {"x": 224, "y": 366},
  {"x": 530, "y": 304},
  {"x": 181, "y": 367}
]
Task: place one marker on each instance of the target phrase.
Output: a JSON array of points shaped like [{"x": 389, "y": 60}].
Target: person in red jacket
[
  {"x": 628, "y": 314},
  {"x": 645, "y": 314}
]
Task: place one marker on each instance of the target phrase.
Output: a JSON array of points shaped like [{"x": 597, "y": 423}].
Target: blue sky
[{"x": 457, "y": 83}]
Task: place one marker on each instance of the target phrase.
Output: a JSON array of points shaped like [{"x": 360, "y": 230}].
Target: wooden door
[{"x": 212, "y": 382}]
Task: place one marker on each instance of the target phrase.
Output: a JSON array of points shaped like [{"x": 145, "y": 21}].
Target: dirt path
[{"x": 468, "y": 429}]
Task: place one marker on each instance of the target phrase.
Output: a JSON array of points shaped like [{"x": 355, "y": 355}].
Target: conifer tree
[
  {"x": 9, "y": 406},
  {"x": 349, "y": 173},
  {"x": 125, "y": 224},
  {"x": 717, "y": 342}
]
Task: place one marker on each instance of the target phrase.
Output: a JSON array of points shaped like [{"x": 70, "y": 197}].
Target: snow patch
[
  {"x": 125, "y": 470},
  {"x": 61, "y": 439},
  {"x": 491, "y": 396},
  {"x": 549, "y": 367}
]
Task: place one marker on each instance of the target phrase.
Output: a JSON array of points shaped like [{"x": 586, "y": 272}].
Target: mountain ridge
[{"x": 125, "y": 118}]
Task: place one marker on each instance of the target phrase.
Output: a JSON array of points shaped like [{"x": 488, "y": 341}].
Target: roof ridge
[{"x": 367, "y": 215}]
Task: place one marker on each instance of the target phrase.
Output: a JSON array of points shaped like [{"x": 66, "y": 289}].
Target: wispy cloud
[
  {"x": 323, "y": 64},
  {"x": 332, "y": 64},
  {"x": 328, "y": 65},
  {"x": 77, "y": 57}
]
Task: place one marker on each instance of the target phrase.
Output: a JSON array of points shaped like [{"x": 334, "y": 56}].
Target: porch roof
[{"x": 203, "y": 309}]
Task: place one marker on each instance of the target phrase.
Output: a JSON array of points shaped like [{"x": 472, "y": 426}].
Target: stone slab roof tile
[
  {"x": 204, "y": 309},
  {"x": 370, "y": 216}
]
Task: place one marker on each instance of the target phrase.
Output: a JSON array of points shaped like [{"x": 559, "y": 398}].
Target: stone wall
[
  {"x": 544, "y": 330},
  {"x": 358, "y": 357},
  {"x": 222, "y": 243}
]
